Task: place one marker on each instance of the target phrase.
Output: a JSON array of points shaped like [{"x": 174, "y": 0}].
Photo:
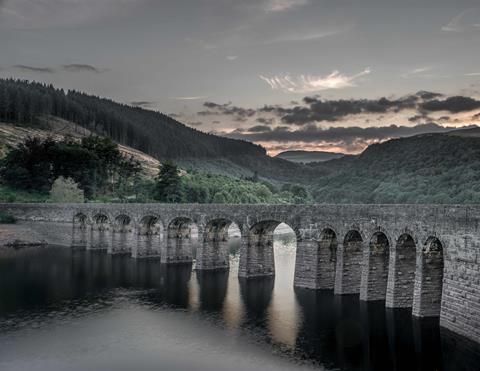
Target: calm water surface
[{"x": 63, "y": 309}]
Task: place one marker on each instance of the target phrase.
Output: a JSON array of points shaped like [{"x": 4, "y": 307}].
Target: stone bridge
[{"x": 422, "y": 257}]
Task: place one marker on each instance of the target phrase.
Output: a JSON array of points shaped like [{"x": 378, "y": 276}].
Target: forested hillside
[
  {"x": 430, "y": 168},
  {"x": 154, "y": 133}
]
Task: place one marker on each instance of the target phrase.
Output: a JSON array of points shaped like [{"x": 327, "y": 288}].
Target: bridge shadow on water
[{"x": 336, "y": 332}]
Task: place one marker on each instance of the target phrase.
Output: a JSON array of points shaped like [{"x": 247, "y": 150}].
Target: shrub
[
  {"x": 6, "y": 218},
  {"x": 66, "y": 190}
]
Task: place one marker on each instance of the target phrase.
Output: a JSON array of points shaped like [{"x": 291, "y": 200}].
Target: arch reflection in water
[{"x": 338, "y": 332}]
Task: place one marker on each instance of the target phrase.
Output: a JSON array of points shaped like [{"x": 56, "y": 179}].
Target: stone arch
[
  {"x": 349, "y": 263},
  {"x": 101, "y": 221},
  {"x": 429, "y": 279},
  {"x": 80, "y": 220},
  {"x": 100, "y": 232},
  {"x": 256, "y": 254},
  {"x": 150, "y": 225},
  {"x": 326, "y": 258},
  {"x": 373, "y": 285},
  {"x": 217, "y": 229},
  {"x": 180, "y": 240},
  {"x": 121, "y": 222},
  {"x": 401, "y": 276}
]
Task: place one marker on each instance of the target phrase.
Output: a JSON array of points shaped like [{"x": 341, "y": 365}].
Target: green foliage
[
  {"x": 94, "y": 163},
  {"x": 434, "y": 168},
  {"x": 66, "y": 190},
  {"x": 202, "y": 187},
  {"x": 6, "y": 218},
  {"x": 8, "y": 194},
  {"x": 168, "y": 184}
]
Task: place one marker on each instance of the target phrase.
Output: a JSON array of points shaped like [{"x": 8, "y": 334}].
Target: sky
[{"x": 332, "y": 75}]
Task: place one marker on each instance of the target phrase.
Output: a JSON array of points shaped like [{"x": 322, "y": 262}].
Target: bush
[
  {"x": 66, "y": 190},
  {"x": 6, "y": 218}
]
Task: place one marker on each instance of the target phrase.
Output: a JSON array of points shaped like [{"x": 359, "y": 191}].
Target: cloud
[
  {"x": 305, "y": 84},
  {"x": 452, "y": 104},
  {"x": 259, "y": 129},
  {"x": 349, "y": 138},
  {"x": 143, "y": 103},
  {"x": 473, "y": 74},
  {"x": 231, "y": 57},
  {"x": 414, "y": 72},
  {"x": 265, "y": 120},
  {"x": 25, "y": 68},
  {"x": 313, "y": 109},
  {"x": 307, "y": 35},
  {"x": 197, "y": 97},
  {"x": 74, "y": 67},
  {"x": 283, "y": 5},
  {"x": 78, "y": 67},
  {"x": 316, "y": 109},
  {"x": 239, "y": 113},
  {"x": 463, "y": 21}
]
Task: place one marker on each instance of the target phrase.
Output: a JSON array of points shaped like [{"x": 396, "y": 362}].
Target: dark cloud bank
[
  {"x": 311, "y": 133},
  {"x": 314, "y": 109},
  {"x": 73, "y": 67},
  {"x": 299, "y": 121}
]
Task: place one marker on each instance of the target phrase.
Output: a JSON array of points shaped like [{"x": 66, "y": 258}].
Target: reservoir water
[{"x": 64, "y": 309}]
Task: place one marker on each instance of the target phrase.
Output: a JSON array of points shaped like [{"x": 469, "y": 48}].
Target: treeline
[
  {"x": 95, "y": 163},
  {"x": 36, "y": 169},
  {"x": 26, "y": 103},
  {"x": 200, "y": 187},
  {"x": 431, "y": 168}
]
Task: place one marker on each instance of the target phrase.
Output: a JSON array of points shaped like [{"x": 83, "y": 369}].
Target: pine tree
[{"x": 168, "y": 184}]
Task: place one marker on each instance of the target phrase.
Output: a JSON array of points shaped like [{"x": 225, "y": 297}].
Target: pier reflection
[{"x": 317, "y": 327}]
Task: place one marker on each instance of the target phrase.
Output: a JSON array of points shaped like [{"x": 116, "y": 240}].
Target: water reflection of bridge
[{"x": 419, "y": 257}]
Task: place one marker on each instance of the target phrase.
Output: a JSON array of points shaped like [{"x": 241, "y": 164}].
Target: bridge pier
[
  {"x": 327, "y": 259},
  {"x": 122, "y": 236},
  {"x": 80, "y": 232},
  {"x": 256, "y": 251},
  {"x": 150, "y": 238},
  {"x": 428, "y": 280},
  {"x": 373, "y": 285},
  {"x": 100, "y": 236},
  {"x": 306, "y": 264},
  {"x": 401, "y": 276},
  {"x": 180, "y": 242},
  {"x": 212, "y": 252},
  {"x": 349, "y": 264}
]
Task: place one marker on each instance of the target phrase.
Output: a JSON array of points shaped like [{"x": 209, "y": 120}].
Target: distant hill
[
  {"x": 306, "y": 157},
  {"x": 467, "y": 132},
  {"x": 427, "y": 168}
]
